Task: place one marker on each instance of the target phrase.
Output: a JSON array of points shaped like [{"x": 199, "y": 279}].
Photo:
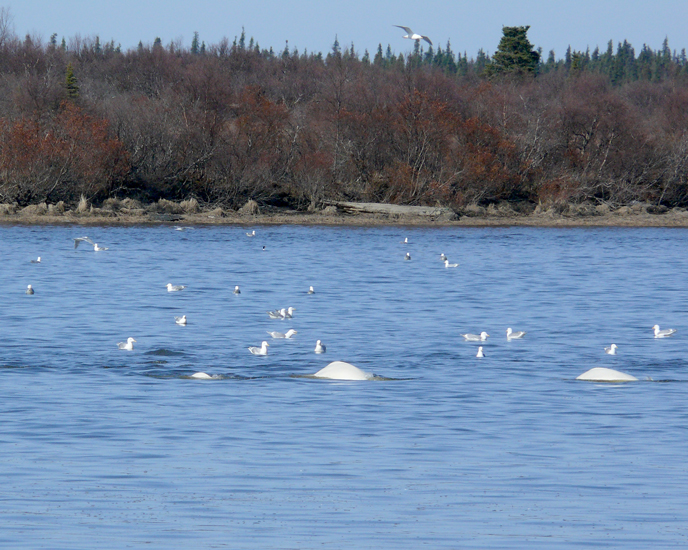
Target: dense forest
[{"x": 228, "y": 122}]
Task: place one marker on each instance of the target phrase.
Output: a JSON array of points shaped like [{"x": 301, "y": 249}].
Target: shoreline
[{"x": 97, "y": 217}]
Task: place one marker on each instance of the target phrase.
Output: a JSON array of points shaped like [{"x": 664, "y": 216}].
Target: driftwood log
[{"x": 395, "y": 210}]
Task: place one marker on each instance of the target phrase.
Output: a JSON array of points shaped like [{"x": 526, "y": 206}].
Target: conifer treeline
[{"x": 231, "y": 121}]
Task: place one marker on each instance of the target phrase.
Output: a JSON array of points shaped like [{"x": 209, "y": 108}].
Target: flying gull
[
  {"x": 412, "y": 35},
  {"x": 80, "y": 240}
]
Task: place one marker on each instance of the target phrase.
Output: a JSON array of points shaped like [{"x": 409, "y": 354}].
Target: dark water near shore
[{"x": 104, "y": 448}]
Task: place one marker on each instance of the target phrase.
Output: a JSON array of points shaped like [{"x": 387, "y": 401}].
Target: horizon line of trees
[{"x": 228, "y": 122}]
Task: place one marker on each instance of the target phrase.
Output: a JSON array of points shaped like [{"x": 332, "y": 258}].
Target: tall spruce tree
[
  {"x": 71, "y": 84},
  {"x": 515, "y": 54}
]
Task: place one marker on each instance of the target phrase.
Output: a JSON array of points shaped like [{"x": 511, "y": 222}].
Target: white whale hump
[
  {"x": 600, "y": 374},
  {"x": 339, "y": 370},
  {"x": 201, "y": 376}
]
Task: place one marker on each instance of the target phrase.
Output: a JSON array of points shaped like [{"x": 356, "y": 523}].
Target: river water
[{"x": 108, "y": 448}]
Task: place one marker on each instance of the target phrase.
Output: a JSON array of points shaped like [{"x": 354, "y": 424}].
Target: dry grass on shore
[{"x": 131, "y": 212}]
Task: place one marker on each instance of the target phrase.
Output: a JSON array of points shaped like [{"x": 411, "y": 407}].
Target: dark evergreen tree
[
  {"x": 195, "y": 46},
  {"x": 71, "y": 84},
  {"x": 378, "y": 59},
  {"x": 515, "y": 54}
]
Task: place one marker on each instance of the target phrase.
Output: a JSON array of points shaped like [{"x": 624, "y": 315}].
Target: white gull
[
  {"x": 412, "y": 35},
  {"x": 276, "y": 334},
  {"x": 262, "y": 350},
  {"x": 476, "y": 337},
  {"x": 174, "y": 288},
  {"x": 663, "y": 333},
  {"x": 80, "y": 240},
  {"x": 129, "y": 345},
  {"x": 611, "y": 350},
  {"x": 320, "y": 347},
  {"x": 512, "y": 335}
]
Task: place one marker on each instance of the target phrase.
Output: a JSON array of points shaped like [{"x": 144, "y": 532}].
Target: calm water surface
[{"x": 104, "y": 448}]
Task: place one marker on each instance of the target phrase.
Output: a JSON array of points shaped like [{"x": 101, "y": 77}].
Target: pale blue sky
[{"x": 313, "y": 24}]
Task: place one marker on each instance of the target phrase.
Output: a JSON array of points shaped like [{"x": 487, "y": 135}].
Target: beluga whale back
[
  {"x": 339, "y": 370},
  {"x": 600, "y": 374}
]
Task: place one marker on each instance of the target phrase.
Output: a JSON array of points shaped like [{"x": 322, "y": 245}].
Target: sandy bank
[{"x": 635, "y": 216}]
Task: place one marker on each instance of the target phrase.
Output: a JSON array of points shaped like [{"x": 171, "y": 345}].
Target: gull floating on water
[
  {"x": 443, "y": 257},
  {"x": 405, "y": 241},
  {"x": 282, "y": 314},
  {"x": 447, "y": 264},
  {"x": 320, "y": 347},
  {"x": 611, "y": 350},
  {"x": 480, "y": 352},
  {"x": 289, "y": 334},
  {"x": 600, "y": 374},
  {"x": 129, "y": 345},
  {"x": 99, "y": 248},
  {"x": 29, "y": 289},
  {"x": 80, "y": 240},
  {"x": 476, "y": 337},
  {"x": 236, "y": 290},
  {"x": 511, "y": 335},
  {"x": 180, "y": 320},
  {"x": 252, "y": 234},
  {"x": 262, "y": 350},
  {"x": 407, "y": 257},
  {"x": 310, "y": 290},
  {"x": 663, "y": 333},
  {"x": 174, "y": 288},
  {"x": 413, "y": 36},
  {"x": 36, "y": 261}
]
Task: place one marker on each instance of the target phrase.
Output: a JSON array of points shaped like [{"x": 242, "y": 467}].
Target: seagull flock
[{"x": 595, "y": 374}]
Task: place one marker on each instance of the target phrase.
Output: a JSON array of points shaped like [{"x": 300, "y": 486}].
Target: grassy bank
[{"x": 130, "y": 212}]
